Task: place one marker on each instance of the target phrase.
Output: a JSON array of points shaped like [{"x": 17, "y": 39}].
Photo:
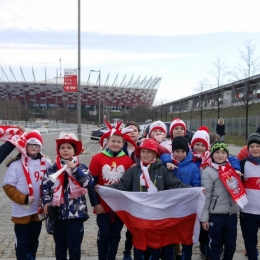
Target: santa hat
[
  {"x": 34, "y": 137},
  {"x": 123, "y": 132},
  {"x": 177, "y": 122},
  {"x": 149, "y": 144},
  {"x": 70, "y": 138},
  {"x": 157, "y": 125},
  {"x": 201, "y": 135}
]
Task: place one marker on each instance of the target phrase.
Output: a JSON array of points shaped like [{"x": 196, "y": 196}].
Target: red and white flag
[
  {"x": 15, "y": 136},
  {"x": 158, "y": 219}
]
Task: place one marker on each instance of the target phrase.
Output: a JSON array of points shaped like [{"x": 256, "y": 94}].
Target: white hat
[
  {"x": 201, "y": 135},
  {"x": 34, "y": 137},
  {"x": 177, "y": 122},
  {"x": 158, "y": 125}
]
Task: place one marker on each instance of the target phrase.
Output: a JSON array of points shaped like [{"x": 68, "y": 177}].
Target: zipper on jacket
[{"x": 215, "y": 203}]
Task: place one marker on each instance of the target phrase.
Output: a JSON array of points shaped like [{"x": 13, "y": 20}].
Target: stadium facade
[{"x": 49, "y": 93}]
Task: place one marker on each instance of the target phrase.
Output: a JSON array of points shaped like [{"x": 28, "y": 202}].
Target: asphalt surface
[{"x": 89, "y": 248}]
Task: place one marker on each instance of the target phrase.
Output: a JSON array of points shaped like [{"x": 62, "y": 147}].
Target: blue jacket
[
  {"x": 187, "y": 171},
  {"x": 72, "y": 208}
]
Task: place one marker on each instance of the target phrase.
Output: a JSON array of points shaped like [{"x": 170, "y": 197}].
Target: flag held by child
[{"x": 158, "y": 219}]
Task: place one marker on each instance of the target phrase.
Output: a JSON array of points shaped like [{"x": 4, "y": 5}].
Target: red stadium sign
[{"x": 70, "y": 80}]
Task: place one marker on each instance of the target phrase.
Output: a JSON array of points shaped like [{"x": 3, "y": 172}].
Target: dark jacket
[
  {"x": 159, "y": 175},
  {"x": 72, "y": 208},
  {"x": 5, "y": 150},
  {"x": 220, "y": 129}
]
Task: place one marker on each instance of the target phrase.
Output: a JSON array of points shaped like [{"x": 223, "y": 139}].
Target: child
[
  {"x": 224, "y": 193},
  {"x": 185, "y": 170},
  {"x": 250, "y": 215},
  {"x": 67, "y": 196},
  {"x": 108, "y": 167},
  {"x": 133, "y": 180},
  {"x": 158, "y": 132},
  {"x": 22, "y": 184}
]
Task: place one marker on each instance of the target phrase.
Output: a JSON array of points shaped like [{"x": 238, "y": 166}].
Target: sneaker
[{"x": 127, "y": 255}]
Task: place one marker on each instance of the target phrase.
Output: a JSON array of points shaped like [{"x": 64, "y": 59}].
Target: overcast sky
[{"x": 175, "y": 40}]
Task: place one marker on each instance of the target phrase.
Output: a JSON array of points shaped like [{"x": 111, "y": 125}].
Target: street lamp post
[
  {"x": 79, "y": 91},
  {"x": 99, "y": 87}
]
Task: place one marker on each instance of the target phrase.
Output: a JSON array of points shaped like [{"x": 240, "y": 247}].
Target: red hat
[
  {"x": 201, "y": 135},
  {"x": 71, "y": 139},
  {"x": 117, "y": 131},
  {"x": 158, "y": 125},
  {"x": 149, "y": 144},
  {"x": 177, "y": 122},
  {"x": 34, "y": 137}
]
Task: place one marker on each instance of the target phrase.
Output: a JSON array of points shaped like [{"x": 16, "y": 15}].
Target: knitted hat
[
  {"x": 149, "y": 144},
  {"x": 34, "y": 137},
  {"x": 177, "y": 122},
  {"x": 201, "y": 135},
  {"x": 253, "y": 138},
  {"x": 117, "y": 130},
  {"x": 180, "y": 142},
  {"x": 70, "y": 138},
  {"x": 157, "y": 125},
  {"x": 219, "y": 145}
]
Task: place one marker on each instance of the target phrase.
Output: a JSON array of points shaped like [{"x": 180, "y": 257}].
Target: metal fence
[{"x": 233, "y": 125}]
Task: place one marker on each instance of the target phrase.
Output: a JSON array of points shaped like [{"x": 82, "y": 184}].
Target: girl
[{"x": 67, "y": 195}]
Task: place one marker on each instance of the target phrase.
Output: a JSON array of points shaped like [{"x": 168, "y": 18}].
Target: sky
[{"x": 176, "y": 40}]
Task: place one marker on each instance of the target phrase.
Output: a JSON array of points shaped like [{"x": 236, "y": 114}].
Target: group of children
[{"x": 130, "y": 164}]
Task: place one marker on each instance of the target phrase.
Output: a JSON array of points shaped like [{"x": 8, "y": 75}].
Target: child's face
[
  {"x": 254, "y": 149},
  {"x": 33, "y": 150},
  {"x": 115, "y": 143},
  {"x": 66, "y": 151},
  {"x": 147, "y": 155},
  {"x": 135, "y": 134},
  {"x": 157, "y": 132},
  {"x": 180, "y": 154},
  {"x": 199, "y": 148},
  {"x": 220, "y": 156},
  {"x": 177, "y": 131}
]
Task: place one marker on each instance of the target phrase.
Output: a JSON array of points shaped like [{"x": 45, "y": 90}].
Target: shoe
[{"x": 127, "y": 255}]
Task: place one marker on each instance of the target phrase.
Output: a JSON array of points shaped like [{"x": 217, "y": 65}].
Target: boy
[
  {"x": 22, "y": 184},
  {"x": 224, "y": 195},
  {"x": 185, "y": 170},
  {"x": 107, "y": 168},
  {"x": 250, "y": 215},
  {"x": 158, "y": 132},
  {"x": 159, "y": 178}
]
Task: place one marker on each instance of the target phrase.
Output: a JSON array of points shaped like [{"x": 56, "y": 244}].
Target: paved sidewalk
[{"x": 89, "y": 248}]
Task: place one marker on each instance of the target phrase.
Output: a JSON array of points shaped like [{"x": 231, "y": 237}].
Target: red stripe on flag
[{"x": 158, "y": 233}]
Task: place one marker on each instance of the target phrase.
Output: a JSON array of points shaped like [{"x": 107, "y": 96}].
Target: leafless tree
[
  {"x": 243, "y": 71},
  {"x": 218, "y": 73}
]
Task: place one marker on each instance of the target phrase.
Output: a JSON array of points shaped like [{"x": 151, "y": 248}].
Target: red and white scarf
[
  {"x": 232, "y": 182},
  {"x": 205, "y": 159},
  {"x": 145, "y": 178},
  {"x": 75, "y": 190},
  {"x": 24, "y": 161},
  {"x": 15, "y": 136}
]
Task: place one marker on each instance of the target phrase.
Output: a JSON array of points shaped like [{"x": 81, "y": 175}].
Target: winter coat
[
  {"x": 218, "y": 199},
  {"x": 72, "y": 207},
  {"x": 5, "y": 150},
  {"x": 159, "y": 175},
  {"x": 187, "y": 171}
]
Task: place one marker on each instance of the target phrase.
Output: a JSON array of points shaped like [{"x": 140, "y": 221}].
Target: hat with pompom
[
  {"x": 70, "y": 138},
  {"x": 157, "y": 125},
  {"x": 177, "y": 122},
  {"x": 201, "y": 135},
  {"x": 34, "y": 137}
]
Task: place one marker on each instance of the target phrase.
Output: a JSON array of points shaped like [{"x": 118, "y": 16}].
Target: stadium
[{"x": 113, "y": 94}]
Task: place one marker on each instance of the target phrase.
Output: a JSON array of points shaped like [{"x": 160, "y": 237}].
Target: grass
[{"x": 239, "y": 140}]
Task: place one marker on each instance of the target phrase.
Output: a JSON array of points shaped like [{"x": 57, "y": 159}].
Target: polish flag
[{"x": 158, "y": 219}]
